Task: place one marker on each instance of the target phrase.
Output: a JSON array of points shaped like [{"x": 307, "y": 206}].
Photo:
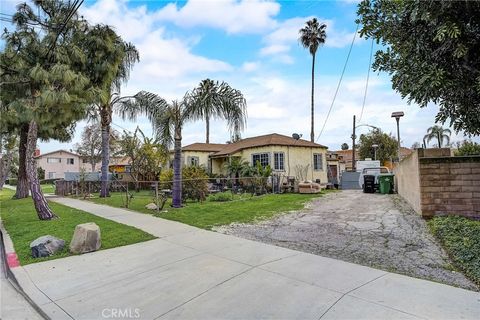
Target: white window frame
[
  {"x": 54, "y": 160},
  {"x": 315, "y": 163},
  {"x": 254, "y": 162},
  {"x": 280, "y": 166},
  {"x": 51, "y": 175},
  {"x": 193, "y": 161},
  {"x": 73, "y": 161}
]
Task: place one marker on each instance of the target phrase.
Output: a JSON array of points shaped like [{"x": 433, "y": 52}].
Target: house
[
  {"x": 287, "y": 156},
  {"x": 58, "y": 162},
  {"x": 333, "y": 169},
  {"x": 345, "y": 159}
]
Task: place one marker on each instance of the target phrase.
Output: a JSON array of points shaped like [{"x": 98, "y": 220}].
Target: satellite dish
[{"x": 296, "y": 136}]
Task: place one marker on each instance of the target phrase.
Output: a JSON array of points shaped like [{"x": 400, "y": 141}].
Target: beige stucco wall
[
  {"x": 58, "y": 168},
  {"x": 407, "y": 181},
  {"x": 202, "y": 157},
  {"x": 294, "y": 156}
]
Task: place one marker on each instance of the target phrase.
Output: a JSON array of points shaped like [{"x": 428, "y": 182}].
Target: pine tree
[{"x": 43, "y": 90}]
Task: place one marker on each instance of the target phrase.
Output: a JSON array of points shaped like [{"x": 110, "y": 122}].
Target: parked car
[{"x": 374, "y": 171}]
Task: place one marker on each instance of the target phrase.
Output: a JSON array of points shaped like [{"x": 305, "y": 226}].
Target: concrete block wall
[
  {"x": 450, "y": 185},
  {"x": 435, "y": 183}
]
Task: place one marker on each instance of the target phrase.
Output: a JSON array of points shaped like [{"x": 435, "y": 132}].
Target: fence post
[
  {"x": 156, "y": 196},
  {"x": 126, "y": 195}
]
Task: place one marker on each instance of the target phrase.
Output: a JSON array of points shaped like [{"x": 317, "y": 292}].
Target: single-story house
[{"x": 287, "y": 156}]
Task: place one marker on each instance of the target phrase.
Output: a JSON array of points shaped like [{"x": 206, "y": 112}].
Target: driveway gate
[{"x": 349, "y": 180}]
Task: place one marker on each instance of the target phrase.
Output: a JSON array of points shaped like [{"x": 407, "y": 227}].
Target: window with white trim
[
  {"x": 263, "y": 158},
  {"x": 193, "y": 161},
  {"x": 279, "y": 161},
  {"x": 317, "y": 161},
  {"x": 70, "y": 161},
  {"x": 54, "y": 160}
]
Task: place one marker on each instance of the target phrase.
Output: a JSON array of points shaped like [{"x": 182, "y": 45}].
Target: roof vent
[{"x": 296, "y": 136}]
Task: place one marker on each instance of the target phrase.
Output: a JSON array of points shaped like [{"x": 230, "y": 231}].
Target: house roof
[
  {"x": 206, "y": 147},
  {"x": 52, "y": 152},
  {"x": 273, "y": 139}
]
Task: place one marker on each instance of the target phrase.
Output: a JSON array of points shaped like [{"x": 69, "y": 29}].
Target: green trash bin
[{"x": 385, "y": 182}]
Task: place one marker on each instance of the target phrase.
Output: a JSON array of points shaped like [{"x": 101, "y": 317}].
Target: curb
[{"x": 11, "y": 261}]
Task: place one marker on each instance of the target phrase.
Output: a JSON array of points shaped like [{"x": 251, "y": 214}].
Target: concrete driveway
[
  {"x": 375, "y": 230},
  {"x": 190, "y": 273}
]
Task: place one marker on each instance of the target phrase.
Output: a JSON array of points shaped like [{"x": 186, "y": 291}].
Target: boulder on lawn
[
  {"x": 46, "y": 246},
  {"x": 151, "y": 206},
  {"x": 86, "y": 238}
]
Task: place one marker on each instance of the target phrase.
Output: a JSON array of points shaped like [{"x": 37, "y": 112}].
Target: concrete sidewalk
[{"x": 190, "y": 273}]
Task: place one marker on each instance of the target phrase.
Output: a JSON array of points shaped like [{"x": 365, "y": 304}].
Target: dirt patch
[{"x": 375, "y": 230}]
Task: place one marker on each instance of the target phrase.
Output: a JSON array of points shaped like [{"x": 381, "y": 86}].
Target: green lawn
[
  {"x": 20, "y": 220},
  {"x": 461, "y": 239},
  {"x": 47, "y": 188},
  {"x": 208, "y": 214}
]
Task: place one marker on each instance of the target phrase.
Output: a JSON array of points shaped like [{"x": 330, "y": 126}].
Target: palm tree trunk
[
  {"x": 105, "y": 157},
  {"x": 439, "y": 140},
  {"x": 177, "y": 171},
  {"x": 21, "y": 191},
  {"x": 207, "y": 121},
  {"x": 41, "y": 206},
  {"x": 312, "y": 134}
]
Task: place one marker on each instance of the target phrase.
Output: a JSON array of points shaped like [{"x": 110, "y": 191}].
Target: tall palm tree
[
  {"x": 439, "y": 133},
  {"x": 111, "y": 60},
  {"x": 312, "y": 36},
  {"x": 167, "y": 121},
  {"x": 213, "y": 99}
]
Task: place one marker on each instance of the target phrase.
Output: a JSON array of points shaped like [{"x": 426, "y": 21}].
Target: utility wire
[
  {"x": 366, "y": 85},
  {"x": 339, "y": 82}
]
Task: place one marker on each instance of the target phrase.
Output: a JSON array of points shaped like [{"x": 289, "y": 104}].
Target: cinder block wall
[
  {"x": 450, "y": 185},
  {"x": 435, "y": 183}
]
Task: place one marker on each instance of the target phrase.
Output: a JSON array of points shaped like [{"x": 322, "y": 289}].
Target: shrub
[
  {"x": 195, "y": 182},
  {"x": 12, "y": 181},
  {"x": 468, "y": 148},
  {"x": 461, "y": 238},
  {"x": 221, "y": 197}
]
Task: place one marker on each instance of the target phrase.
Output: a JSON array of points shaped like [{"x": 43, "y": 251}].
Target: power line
[
  {"x": 366, "y": 85},
  {"x": 339, "y": 82}
]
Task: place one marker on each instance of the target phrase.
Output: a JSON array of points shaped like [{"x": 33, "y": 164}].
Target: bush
[
  {"x": 221, "y": 197},
  {"x": 12, "y": 181},
  {"x": 468, "y": 148},
  {"x": 195, "y": 182},
  {"x": 48, "y": 181},
  {"x": 461, "y": 239}
]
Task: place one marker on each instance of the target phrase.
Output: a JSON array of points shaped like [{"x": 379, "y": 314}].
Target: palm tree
[
  {"x": 235, "y": 166},
  {"x": 213, "y": 99},
  {"x": 111, "y": 60},
  {"x": 439, "y": 133},
  {"x": 167, "y": 121},
  {"x": 312, "y": 36}
]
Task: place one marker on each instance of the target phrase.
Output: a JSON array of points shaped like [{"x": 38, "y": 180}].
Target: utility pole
[{"x": 354, "y": 167}]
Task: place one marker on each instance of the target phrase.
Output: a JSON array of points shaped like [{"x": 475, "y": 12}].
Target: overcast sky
[{"x": 253, "y": 45}]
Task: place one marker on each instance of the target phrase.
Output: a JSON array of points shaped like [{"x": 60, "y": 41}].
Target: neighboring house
[
  {"x": 345, "y": 159},
  {"x": 286, "y": 156},
  {"x": 333, "y": 162},
  {"x": 121, "y": 168},
  {"x": 57, "y": 163}
]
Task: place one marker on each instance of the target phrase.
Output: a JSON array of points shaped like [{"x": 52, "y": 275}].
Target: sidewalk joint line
[{"x": 346, "y": 293}]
